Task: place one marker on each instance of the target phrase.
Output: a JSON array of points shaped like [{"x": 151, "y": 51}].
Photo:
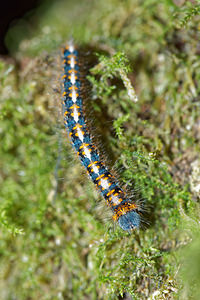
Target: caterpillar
[{"x": 124, "y": 210}]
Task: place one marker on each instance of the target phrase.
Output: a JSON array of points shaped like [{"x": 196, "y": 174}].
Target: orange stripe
[
  {"x": 74, "y": 106},
  {"x": 77, "y": 126},
  {"x": 72, "y": 114},
  {"x": 93, "y": 163},
  {"x": 69, "y": 62},
  {"x": 72, "y": 71},
  {"x": 84, "y": 145},
  {"x": 74, "y": 77},
  {"x": 71, "y": 55},
  {"x": 102, "y": 175},
  {"x": 109, "y": 193},
  {"x": 123, "y": 210},
  {"x": 73, "y": 87},
  {"x": 70, "y": 95}
]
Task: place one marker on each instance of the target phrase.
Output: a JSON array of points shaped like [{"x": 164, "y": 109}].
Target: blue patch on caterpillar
[{"x": 129, "y": 221}]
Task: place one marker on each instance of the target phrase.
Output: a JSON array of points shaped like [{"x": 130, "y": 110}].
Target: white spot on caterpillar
[
  {"x": 96, "y": 170},
  {"x": 75, "y": 114},
  {"x": 80, "y": 134},
  {"x": 72, "y": 62},
  {"x": 87, "y": 153},
  {"x": 71, "y": 48},
  {"x": 115, "y": 199},
  {"x": 73, "y": 78},
  {"x": 104, "y": 183},
  {"x": 74, "y": 95}
]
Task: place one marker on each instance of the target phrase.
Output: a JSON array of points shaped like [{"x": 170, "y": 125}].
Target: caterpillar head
[{"x": 129, "y": 221}]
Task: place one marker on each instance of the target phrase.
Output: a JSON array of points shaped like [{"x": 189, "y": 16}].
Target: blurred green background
[{"x": 56, "y": 240}]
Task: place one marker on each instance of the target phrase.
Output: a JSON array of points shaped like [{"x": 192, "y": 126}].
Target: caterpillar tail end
[{"x": 129, "y": 221}]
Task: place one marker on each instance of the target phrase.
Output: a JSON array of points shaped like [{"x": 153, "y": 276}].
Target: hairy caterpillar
[{"x": 124, "y": 210}]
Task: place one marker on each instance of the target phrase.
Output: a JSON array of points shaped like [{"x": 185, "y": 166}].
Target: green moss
[{"x": 67, "y": 249}]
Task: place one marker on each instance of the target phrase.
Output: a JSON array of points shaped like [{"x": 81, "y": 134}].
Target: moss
[{"x": 67, "y": 250}]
